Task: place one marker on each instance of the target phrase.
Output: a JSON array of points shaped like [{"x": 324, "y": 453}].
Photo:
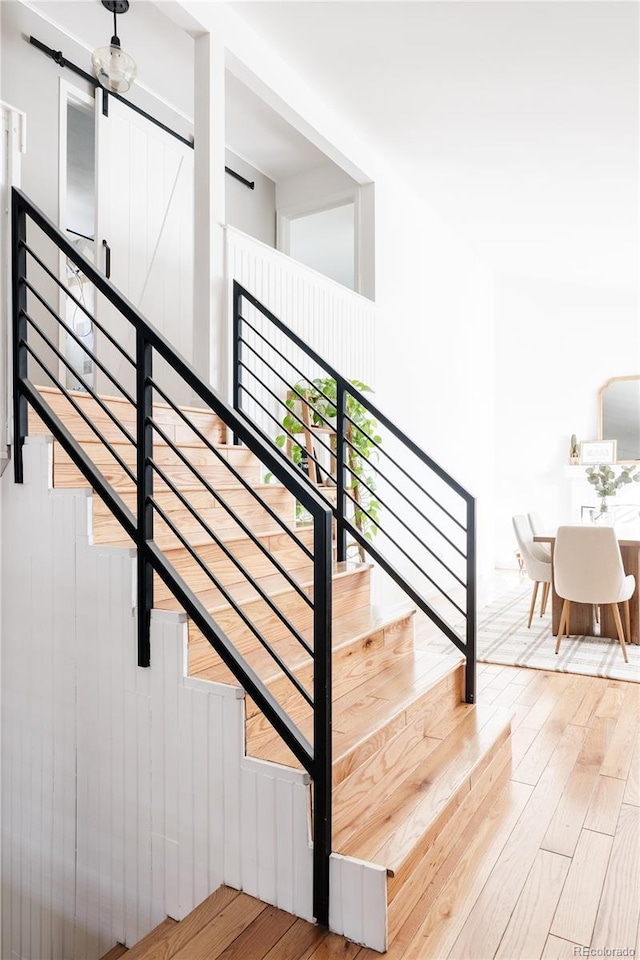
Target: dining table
[{"x": 583, "y": 616}]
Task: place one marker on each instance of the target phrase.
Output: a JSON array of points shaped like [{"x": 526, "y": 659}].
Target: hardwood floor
[{"x": 551, "y": 867}]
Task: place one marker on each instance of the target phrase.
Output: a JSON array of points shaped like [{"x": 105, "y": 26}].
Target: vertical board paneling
[
  {"x": 233, "y": 750},
  {"x": 266, "y": 826},
  {"x": 358, "y": 901},
  {"x": 303, "y": 861},
  {"x": 185, "y": 801},
  {"x": 337, "y": 323},
  {"x": 249, "y": 848},
  {"x": 200, "y": 797},
  {"x": 284, "y": 844}
]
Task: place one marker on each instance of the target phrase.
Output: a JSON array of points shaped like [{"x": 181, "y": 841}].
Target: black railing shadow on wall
[
  {"x": 424, "y": 521},
  {"x": 145, "y": 466}
]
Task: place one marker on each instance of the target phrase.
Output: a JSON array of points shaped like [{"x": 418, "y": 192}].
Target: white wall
[
  {"x": 555, "y": 344},
  {"x": 252, "y": 211},
  {"x": 435, "y": 346},
  {"x": 325, "y": 241}
]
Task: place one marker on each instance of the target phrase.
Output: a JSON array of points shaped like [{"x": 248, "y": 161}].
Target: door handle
[{"x": 107, "y": 259}]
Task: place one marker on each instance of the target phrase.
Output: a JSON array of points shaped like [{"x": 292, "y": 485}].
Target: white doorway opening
[{"x": 325, "y": 240}]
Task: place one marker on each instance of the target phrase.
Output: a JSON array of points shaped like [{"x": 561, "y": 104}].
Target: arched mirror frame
[{"x": 601, "y": 393}]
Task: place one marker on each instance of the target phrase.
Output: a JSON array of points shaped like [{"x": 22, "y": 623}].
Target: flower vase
[{"x": 602, "y": 516}]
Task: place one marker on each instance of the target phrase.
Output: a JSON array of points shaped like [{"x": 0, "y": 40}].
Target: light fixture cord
[{"x": 115, "y": 28}]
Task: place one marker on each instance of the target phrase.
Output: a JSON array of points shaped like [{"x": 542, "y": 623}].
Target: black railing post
[
  {"x": 470, "y": 667},
  {"x": 19, "y": 333},
  {"x": 144, "y": 438},
  {"x": 341, "y": 470},
  {"x": 322, "y": 749},
  {"x": 237, "y": 347}
]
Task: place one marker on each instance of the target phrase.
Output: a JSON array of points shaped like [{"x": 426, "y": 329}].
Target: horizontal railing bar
[
  {"x": 317, "y": 462},
  {"x": 357, "y": 395},
  {"x": 68, "y": 396},
  {"x": 395, "y": 463},
  {"x": 228, "y": 597},
  {"x": 284, "y": 380},
  {"x": 291, "y": 436},
  {"x": 88, "y": 389},
  {"x": 235, "y": 422},
  {"x": 402, "y": 494},
  {"x": 79, "y": 303},
  {"x": 259, "y": 693},
  {"x": 246, "y": 529},
  {"x": 402, "y": 582},
  {"x": 86, "y": 349},
  {"x": 421, "y": 542},
  {"x": 237, "y": 476},
  {"x": 282, "y": 403},
  {"x": 82, "y": 461},
  {"x": 234, "y": 560},
  {"x": 351, "y": 525},
  {"x": 264, "y": 596},
  {"x": 286, "y": 359}
]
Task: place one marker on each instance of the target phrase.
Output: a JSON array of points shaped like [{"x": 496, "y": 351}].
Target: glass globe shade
[{"x": 114, "y": 68}]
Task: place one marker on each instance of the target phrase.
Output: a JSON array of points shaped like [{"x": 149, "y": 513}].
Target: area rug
[{"x": 503, "y": 637}]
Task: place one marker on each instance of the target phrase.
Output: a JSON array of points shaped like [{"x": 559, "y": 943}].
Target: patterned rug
[{"x": 503, "y": 637}]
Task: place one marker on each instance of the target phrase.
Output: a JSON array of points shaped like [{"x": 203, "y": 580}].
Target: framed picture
[
  {"x": 586, "y": 514},
  {"x": 597, "y": 451}
]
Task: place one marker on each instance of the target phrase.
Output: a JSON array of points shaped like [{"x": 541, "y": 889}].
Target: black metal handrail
[
  {"x": 151, "y": 558},
  {"x": 449, "y": 537}
]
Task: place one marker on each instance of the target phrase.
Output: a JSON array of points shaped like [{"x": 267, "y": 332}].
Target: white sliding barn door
[{"x": 145, "y": 215}]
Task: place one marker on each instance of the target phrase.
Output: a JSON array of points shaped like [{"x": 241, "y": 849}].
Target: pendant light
[{"x": 114, "y": 68}]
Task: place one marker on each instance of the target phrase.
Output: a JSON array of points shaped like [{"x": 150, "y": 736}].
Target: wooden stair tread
[
  {"x": 223, "y": 907},
  {"x": 115, "y": 953},
  {"x": 348, "y": 631},
  {"x": 274, "y": 585},
  {"x": 379, "y": 703},
  {"x": 389, "y": 833},
  {"x": 155, "y": 936},
  {"x": 197, "y": 536},
  {"x": 254, "y": 511},
  {"x": 207, "y": 422},
  {"x": 196, "y": 449}
]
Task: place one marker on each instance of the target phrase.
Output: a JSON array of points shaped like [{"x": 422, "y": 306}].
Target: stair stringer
[{"x": 126, "y": 795}]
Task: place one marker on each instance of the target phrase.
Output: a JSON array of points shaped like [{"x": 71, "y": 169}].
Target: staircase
[{"x": 411, "y": 761}]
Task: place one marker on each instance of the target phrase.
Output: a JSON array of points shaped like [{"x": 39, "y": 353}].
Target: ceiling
[
  {"x": 516, "y": 121},
  {"x": 262, "y": 137}
]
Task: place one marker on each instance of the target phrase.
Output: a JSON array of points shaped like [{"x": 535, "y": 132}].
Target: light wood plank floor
[{"x": 553, "y": 867}]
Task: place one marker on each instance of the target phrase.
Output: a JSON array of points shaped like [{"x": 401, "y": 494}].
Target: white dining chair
[
  {"x": 536, "y": 563},
  {"x": 587, "y": 568},
  {"x": 539, "y": 529}
]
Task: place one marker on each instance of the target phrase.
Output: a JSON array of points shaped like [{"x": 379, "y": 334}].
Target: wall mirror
[{"x": 619, "y": 415}]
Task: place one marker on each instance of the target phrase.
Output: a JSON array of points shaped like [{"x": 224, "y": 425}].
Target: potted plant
[
  {"x": 574, "y": 450},
  {"x": 362, "y": 433}
]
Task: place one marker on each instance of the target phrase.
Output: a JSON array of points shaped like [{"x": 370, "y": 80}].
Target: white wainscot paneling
[{"x": 336, "y": 322}]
